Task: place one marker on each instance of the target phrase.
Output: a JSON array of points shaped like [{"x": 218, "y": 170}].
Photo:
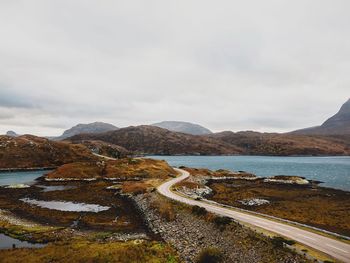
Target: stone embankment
[{"x": 189, "y": 234}]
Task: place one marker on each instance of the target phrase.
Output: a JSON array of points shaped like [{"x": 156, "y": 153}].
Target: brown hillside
[
  {"x": 154, "y": 140},
  {"x": 255, "y": 143},
  {"x": 123, "y": 169},
  {"x": 29, "y": 151}
]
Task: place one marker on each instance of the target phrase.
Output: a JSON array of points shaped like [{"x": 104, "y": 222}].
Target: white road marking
[{"x": 347, "y": 252}]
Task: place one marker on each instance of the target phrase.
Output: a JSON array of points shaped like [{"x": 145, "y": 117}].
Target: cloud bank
[{"x": 228, "y": 65}]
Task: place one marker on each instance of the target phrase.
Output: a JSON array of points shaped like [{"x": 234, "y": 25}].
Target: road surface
[{"x": 332, "y": 247}]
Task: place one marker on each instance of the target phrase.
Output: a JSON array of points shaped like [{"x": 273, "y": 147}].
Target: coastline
[{"x": 29, "y": 169}]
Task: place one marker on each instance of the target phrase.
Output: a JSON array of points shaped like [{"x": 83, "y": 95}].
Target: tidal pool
[{"x": 66, "y": 206}]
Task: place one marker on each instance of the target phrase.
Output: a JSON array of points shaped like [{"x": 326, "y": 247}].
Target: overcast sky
[{"x": 228, "y": 65}]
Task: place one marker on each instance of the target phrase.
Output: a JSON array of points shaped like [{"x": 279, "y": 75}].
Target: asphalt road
[{"x": 332, "y": 247}]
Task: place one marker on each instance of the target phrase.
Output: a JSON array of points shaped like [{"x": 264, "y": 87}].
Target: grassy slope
[{"x": 35, "y": 152}]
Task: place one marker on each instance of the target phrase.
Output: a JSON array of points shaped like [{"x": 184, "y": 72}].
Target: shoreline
[{"x": 29, "y": 169}]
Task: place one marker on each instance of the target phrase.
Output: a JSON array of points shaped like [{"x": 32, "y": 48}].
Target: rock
[
  {"x": 254, "y": 202},
  {"x": 18, "y": 186}
]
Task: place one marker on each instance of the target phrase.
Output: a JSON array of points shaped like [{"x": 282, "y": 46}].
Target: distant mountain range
[
  {"x": 95, "y": 127},
  {"x": 184, "y": 127},
  {"x": 338, "y": 124},
  {"x": 183, "y": 138}
]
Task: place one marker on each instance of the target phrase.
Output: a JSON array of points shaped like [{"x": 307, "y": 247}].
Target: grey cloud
[{"x": 270, "y": 65}]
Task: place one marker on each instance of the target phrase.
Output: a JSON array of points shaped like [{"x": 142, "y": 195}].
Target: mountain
[
  {"x": 158, "y": 141},
  {"x": 338, "y": 124},
  {"x": 11, "y": 134},
  {"x": 28, "y": 151},
  {"x": 184, "y": 127},
  {"x": 147, "y": 139},
  {"x": 95, "y": 127},
  {"x": 274, "y": 144}
]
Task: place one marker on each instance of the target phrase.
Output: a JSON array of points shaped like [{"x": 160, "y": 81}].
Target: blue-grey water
[
  {"x": 9, "y": 178},
  {"x": 8, "y": 242},
  {"x": 333, "y": 171}
]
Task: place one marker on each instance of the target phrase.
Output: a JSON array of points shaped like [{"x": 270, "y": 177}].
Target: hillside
[
  {"x": 29, "y": 151},
  {"x": 104, "y": 148},
  {"x": 255, "y": 143},
  {"x": 95, "y": 127},
  {"x": 338, "y": 124},
  {"x": 184, "y": 127},
  {"x": 154, "y": 140}
]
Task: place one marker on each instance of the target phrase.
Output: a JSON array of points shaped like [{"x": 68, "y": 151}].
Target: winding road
[{"x": 337, "y": 249}]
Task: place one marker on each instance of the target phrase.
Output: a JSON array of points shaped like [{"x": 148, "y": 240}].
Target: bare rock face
[{"x": 184, "y": 127}]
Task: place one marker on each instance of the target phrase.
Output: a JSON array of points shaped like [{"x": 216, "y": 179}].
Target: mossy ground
[
  {"x": 321, "y": 207},
  {"x": 81, "y": 250}
]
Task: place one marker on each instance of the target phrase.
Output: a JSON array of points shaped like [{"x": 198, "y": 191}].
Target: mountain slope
[
  {"x": 95, "y": 127},
  {"x": 338, "y": 124},
  {"x": 255, "y": 143},
  {"x": 184, "y": 127},
  {"x": 28, "y": 151},
  {"x": 12, "y": 134},
  {"x": 154, "y": 140}
]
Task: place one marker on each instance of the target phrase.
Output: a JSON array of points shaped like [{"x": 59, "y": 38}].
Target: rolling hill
[{"x": 28, "y": 151}]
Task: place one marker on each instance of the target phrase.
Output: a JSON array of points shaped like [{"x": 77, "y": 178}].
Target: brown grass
[
  {"x": 78, "y": 170},
  {"x": 31, "y": 151},
  {"x": 321, "y": 207},
  {"x": 136, "y": 187},
  {"x": 165, "y": 208},
  {"x": 85, "y": 251},
  {"x": 123, "y": 169}
]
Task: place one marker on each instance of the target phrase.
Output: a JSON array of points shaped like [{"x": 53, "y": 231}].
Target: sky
[{"x": 271, "y": 66}]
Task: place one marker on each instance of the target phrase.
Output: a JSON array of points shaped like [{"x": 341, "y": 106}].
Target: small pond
[
  {"x": 66, "y": 206},
  {"x": 50, "y": 188},
  {"x": 7, "y": 242}
]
